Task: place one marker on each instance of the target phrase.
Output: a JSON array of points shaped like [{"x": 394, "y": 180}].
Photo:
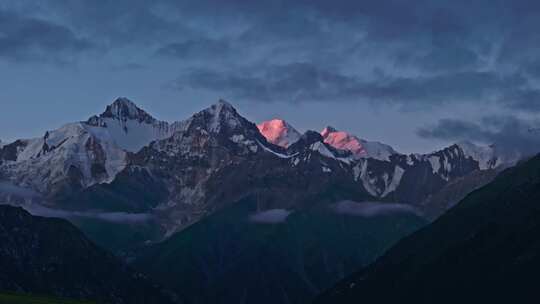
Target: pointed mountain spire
[
  {"x": 124, "y": 109},
  {"x": 217, "y": 117}
]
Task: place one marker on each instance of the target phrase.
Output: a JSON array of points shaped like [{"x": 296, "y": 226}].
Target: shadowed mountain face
[
  {"x": 50, "y": 256},
  {"x": 484, "y": 250},
  {"x": 244, "y": 255}
]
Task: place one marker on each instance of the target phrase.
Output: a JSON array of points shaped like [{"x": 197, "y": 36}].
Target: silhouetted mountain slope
[
  {"x": 240, "y": 255},
  {"x": 50, "y": 256},
  {"x": 484, "y": 250}
]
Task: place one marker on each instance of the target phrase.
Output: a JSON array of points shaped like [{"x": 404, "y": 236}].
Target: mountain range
[
  {"x": 204, "y": 203},
  {"x": 125, "y": 160},
  {"x": 183, "y": 165}
]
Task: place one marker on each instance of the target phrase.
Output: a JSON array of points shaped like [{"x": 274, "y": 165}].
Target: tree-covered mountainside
[
  {"x": 484, "y": 250},
  {"x": 50, "y": 256},
  {"x": 239, "y": 255}
]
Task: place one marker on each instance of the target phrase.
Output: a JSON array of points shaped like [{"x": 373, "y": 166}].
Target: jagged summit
[
  {"x": 220, "y": 116},
  {"x": 223, "y": 104},
  {"x": 279, "y": 132},
  {"x": 327, "y": 130},
  {"x": 127, "y": 126},
  {"x": 124, "y": 109},
  {"x": 360, "y": 148}
]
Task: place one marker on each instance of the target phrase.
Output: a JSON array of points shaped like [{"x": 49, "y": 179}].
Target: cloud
[
  {"x": 306, "y": 82},
  {"x": 127, "y": 67},
  {"x": 431, "y": 53},
  {"x": 372, "y": 209},
  {"x": 11, "y": 189},
  {"x": 25, "y": 38},
  {"x": 272, "y": 216},
  {"x": 115, "y": 217},
  {"x": 200, "y": 48},
  {"x": 508, "y": 134},
  {"x": 291, "y": 82}
]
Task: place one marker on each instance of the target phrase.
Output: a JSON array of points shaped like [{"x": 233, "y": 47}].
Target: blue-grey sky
[{"x": 414, "y": 74}]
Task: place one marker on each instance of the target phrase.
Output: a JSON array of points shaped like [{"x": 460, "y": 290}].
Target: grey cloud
[
  {"x": 372, "y": 209},
  {"x": 127, "y": 67},
  {"x": 532, "y": 68},
  {"x": 443, "y": 59},
  {"x": 305, "y": 82},
  {"x": 291, "y": 82},
  {"x": 509, "y": 135},
  {"x": 115, "y": 217},
  {"x": 272, "y": 216},
  {"x": 24, "y": 38},
  {"x": 431, "y": 52},
  {"x": 525, "y": 99},
  {"x": 11, "y": 189},
  {"x": 201, "y": 48}
]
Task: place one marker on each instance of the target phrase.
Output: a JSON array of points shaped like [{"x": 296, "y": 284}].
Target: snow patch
[
  {"x": 435, "y": 162},
  {"x": 280, "y": 155},
  {"x": 115, "y": 217},
  {"x": 396, "y": 179}
]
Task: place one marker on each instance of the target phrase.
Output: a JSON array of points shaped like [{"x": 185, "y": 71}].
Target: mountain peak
[
  {"x": 278, "y": 132},
  {"x": 328, "y": 130},
  {"x": 343, "y": 140},
  {"x": 359, "y": 147},
  {"x": 217, "y": 117},
  {"x": 221, "y": 106},
  {"x": 224, "y": 103},
  {"x": 124, "y": 109}
]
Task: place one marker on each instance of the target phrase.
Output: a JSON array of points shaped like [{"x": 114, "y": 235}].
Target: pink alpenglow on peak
[
  {"x": 279, "y": 132},
  {"x": 344, "y": 141},
  {"x": 359, "y": 147}
]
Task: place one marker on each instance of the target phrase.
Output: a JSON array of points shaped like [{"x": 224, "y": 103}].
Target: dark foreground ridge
[
  {"x": 50, "y": 256},
  {"x": 484, "y": 250}
]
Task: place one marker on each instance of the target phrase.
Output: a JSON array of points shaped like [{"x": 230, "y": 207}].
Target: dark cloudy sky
[{"x": 414, "y": 74}]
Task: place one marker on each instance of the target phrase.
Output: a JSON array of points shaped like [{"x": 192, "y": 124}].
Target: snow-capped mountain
[
  {"x": 71, "y": 154},
  {"x": 81, "y": 154},
  {"x": 279, "y": 132},
  {"x": 127, "y": 126},
  {"x": 126, "y": 160},
  {"x": 491, "y": 156},
  {"x": 359, "y": 147},
  {"x": 190, "y": 161}
]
